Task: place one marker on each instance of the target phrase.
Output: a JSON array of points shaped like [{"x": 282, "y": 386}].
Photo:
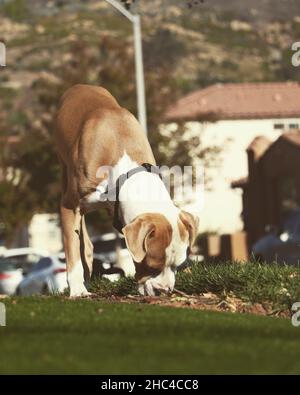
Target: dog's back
[
  {"x": 77, "y": 106},
  {"x": 92, "y": 130}
]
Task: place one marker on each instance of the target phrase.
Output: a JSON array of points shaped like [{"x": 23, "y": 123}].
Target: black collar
[{"x": 117, "y": 222}]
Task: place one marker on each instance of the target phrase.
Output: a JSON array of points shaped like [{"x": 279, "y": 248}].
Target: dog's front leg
[{"x": 71, "y": 227}]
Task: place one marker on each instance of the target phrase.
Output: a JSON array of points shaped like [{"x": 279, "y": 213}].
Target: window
[
  {"x": 25, "y": 261},
  {"x": 278, "y": 125},
  {"x": 293, "y": 126},
  {"x": 43, "y": 263},
  {"x": 7, "y": 264}
]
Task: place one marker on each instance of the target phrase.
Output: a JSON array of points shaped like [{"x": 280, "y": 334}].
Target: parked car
[
  {"x": 281, "y": 246},
  {"x": 107, "y": 262},
  {"x": 10, "y": 276},
  {"x": 47, "y": 276},
  {"x": 14, "y": 264}
]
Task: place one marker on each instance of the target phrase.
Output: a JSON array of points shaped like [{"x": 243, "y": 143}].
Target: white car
[
  {"x": 10, "y": 276},
  {"x": 14, "y": 263},
  {"x": 47, "y": 276}
]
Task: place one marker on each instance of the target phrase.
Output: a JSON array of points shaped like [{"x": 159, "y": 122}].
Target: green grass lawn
[
  {"x": 252, "y": 281},
  {"x": 56, "y": 335}
]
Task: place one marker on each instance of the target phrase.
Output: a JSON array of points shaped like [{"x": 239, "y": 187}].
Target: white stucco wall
[
  {"x": 223, "y": 205},
  {"x": 44, "y": 233}
]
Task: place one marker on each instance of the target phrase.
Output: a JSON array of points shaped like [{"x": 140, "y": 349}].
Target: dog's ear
[
  {"x": 136, "y": 234},
  {"x": 191, "y": 222}
]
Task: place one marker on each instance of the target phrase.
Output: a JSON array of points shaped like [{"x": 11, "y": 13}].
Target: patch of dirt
[{"x": 206, "y": 301}]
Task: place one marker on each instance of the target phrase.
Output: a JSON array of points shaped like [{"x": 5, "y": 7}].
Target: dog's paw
[{"x": 79, "y": 292}]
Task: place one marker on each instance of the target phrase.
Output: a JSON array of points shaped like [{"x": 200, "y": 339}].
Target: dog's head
[{"x": 158, "y": 247}]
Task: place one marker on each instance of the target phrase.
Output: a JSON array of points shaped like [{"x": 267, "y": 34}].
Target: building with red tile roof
[
  {"x": 231, "y": 116},
  {"x": 239, "y": 101}
]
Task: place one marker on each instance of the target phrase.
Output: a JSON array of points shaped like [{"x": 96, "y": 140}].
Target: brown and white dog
[{"x": 93, "y": 132}]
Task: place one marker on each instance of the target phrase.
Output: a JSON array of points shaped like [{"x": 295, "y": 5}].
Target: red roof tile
[{"x": 239, "y": 101}]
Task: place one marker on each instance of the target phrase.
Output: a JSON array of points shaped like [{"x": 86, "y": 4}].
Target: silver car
[
  {"x": 14, "y": 264},
  {"x": 281, "y": 246},
  {"x": 47, "y": 276}
]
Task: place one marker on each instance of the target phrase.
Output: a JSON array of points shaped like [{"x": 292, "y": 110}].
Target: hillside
[
  {"x": 214, "y": 41},
  {"x": 58, "y": 43},
  {"x": 250, "y": 10}
]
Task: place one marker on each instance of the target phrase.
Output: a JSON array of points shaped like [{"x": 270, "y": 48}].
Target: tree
[{"x": 36, "y": 186}]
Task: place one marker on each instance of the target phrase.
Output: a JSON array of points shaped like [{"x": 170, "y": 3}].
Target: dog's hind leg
[
  {"x": 71, "y": 220},
  {"x": 86, "y": 250}
]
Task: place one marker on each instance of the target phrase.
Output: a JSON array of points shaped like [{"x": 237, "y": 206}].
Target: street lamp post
[{"x": 139, "y": 67}]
